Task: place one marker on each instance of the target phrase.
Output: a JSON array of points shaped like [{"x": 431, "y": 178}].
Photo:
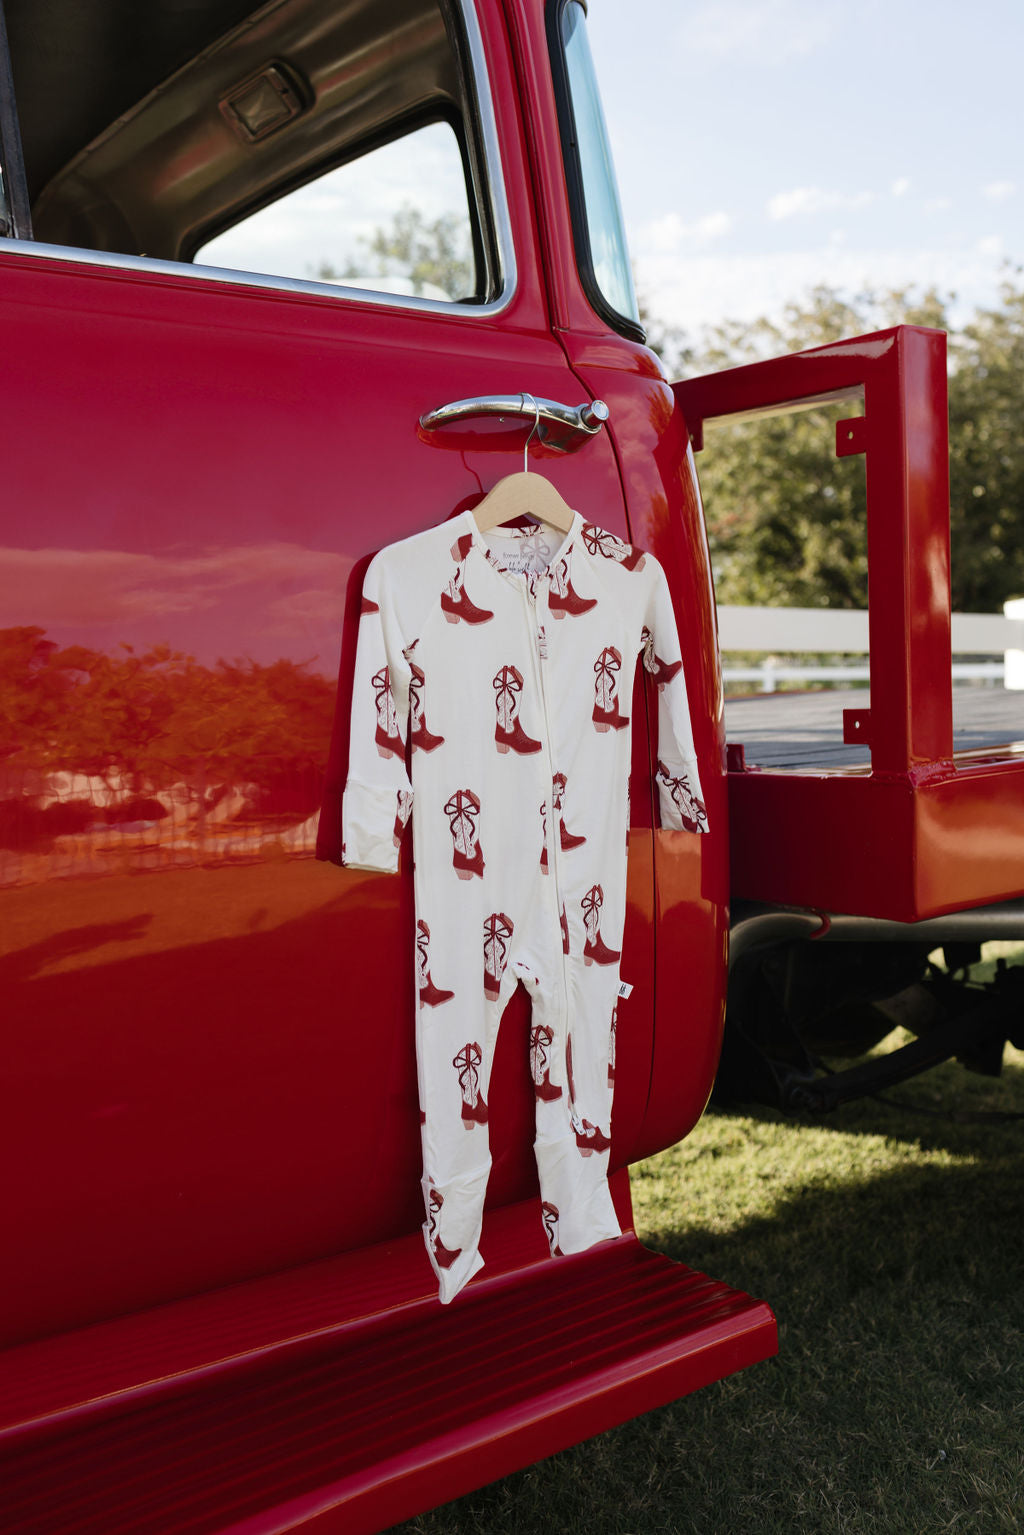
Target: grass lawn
[{"x": 889, "y": 1240}]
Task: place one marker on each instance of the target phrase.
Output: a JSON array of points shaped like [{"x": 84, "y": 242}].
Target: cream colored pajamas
[{"x": 501, "y": 666}]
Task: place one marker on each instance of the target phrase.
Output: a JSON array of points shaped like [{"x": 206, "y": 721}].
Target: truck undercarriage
[{"x": 806, "y": 989}]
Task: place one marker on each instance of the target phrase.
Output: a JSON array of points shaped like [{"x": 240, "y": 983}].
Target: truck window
[
  {"x": 601, "y": 250},
  {"x": 397, "y": 220},
  {"x": 353, "y": 144}
]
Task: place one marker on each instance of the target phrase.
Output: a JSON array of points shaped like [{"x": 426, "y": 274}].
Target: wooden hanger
[{"x": 524, "y": 495}]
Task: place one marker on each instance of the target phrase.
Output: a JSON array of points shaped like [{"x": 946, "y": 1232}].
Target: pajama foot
[{"x": 589, "y": 1138}]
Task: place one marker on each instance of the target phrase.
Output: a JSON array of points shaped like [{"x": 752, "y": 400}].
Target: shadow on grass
[
  {"x": 896, "y": 1402},
  {"x": 946, "y": 1109},
  {"x": 907, "y": 1227}
]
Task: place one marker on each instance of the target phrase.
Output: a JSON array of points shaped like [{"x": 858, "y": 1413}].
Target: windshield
[{"x": 607, "y": 255}]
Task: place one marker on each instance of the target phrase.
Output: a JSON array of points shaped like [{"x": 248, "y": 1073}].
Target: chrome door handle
[{"x": 559, "y": 424}]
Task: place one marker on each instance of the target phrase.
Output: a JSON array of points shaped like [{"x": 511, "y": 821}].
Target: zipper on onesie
[{"x": 538, "y": 605}]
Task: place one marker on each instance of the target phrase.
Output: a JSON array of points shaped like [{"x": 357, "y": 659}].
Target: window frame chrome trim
[
  {"x": 15, "y": 211},
  {"x": 625, "y": 325},
  {"x": 490, "y": 199}
]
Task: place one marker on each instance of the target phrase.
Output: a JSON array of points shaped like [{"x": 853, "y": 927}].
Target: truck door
[{"x": 201, "y": 1020}]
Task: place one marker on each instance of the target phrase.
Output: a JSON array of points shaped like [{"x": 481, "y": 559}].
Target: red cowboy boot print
[
  {"x": 567, "y": 840},
  {"x": 563, "y": 601},
  {"x": 565, "y": 931},
  {"x": 462, "y": 810},
  {"x": 402, "y": 814},
  {"x": 430, "y": 995},
  {"x": 509, "y": 734},
  {"x": 595, "y": 950},
  {"x": 456, "y": 604},
  {"x": 420, "y": 738},
  {"x": 367, "y": 605},
  {"x": 598, "y": 541},
  {"x": 387, "y": 735},
  {"x": 661, "y": 671},
  {"x": 606, "y": 714},
  {"x": 549, "y": 1215},
  {"x": 541, "y": 1039},
  {"x": 467, "y": 1064},
  {"x": 544, "y": 838},
  {"x": 444, "y": 1257},
  {"x": 611, "y": 1046},
  {"x": 498, "y": 930},
  {"x": 461, "y": 548},
  {"x": 691, "y": 810},
  {"x": 589, "y": 1138}
]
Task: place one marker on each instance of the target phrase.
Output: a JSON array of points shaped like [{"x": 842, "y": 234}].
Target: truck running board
[{"x": 262, "y": 1409}]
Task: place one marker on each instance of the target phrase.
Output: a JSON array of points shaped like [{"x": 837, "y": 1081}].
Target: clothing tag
[
  {"x": 542, "y": 643},
  {"x": 625, "y": 990},
  {"x": 520, "y": 562}
]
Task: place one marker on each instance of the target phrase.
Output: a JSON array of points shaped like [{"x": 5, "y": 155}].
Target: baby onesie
[{"x": 501, "y": 666}]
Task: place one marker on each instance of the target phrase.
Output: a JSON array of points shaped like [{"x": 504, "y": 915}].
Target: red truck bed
[{"x": 920, "y": 829}]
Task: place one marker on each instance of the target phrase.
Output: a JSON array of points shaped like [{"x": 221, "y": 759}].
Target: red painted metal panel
[
  {"x": 184, "y": 992},
  {"x": 841, "y": 842},
  {"x": 969, "y": 837},
  {"x": 848, "y": 842}
]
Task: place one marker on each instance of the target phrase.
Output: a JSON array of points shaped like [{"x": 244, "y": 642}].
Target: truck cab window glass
[
  {"x": 397, "y": 220},
  {"x": 606, "y": 257},
  {"x": 320, "y": 136}
]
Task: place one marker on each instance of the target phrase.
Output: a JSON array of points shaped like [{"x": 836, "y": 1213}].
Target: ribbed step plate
[{"x": 408, "y": 1411}]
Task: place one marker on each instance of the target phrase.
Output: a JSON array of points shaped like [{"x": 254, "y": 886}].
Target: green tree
[
  {"x": 786, "y": 519},
  {"x": 426, "y": 253},
  {"x": 986, "y": 409}
]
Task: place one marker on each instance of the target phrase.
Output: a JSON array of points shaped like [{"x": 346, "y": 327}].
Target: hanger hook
[{"x": 533, "y": 430}]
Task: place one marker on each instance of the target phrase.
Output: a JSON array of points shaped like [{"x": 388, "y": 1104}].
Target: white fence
[{"x": 840, "y": 631}]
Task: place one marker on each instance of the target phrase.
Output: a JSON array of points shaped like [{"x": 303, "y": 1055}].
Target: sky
[
  {"x": 762, "y": 147},
  {"x": 765, "y": 146}
]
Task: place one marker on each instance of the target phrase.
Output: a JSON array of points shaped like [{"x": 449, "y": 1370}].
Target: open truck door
[{"x": 216, "y": 1307}]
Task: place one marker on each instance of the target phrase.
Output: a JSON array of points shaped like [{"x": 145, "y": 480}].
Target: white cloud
[
  {"x": 991, "y": 245},
  {"x": 900, "y": 186},
  {"x": 701, "y": 290},
  {"x": 327, "y": 218},
  {"x": 670, "y": 233},
  {"x": 713, "y": 226},
  {"x": 938, "y": 205},
  {"x": 800, "y": 200},
  {"x": 999, "y": 191}
]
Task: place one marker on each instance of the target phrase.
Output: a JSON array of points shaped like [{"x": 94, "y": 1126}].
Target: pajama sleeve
[
  {"x": 378, "y": 796},
  {"x": 679, "y": 790}
]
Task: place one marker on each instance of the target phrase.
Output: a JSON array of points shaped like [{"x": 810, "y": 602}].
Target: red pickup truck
[{"x": 215, "y": 1306}]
